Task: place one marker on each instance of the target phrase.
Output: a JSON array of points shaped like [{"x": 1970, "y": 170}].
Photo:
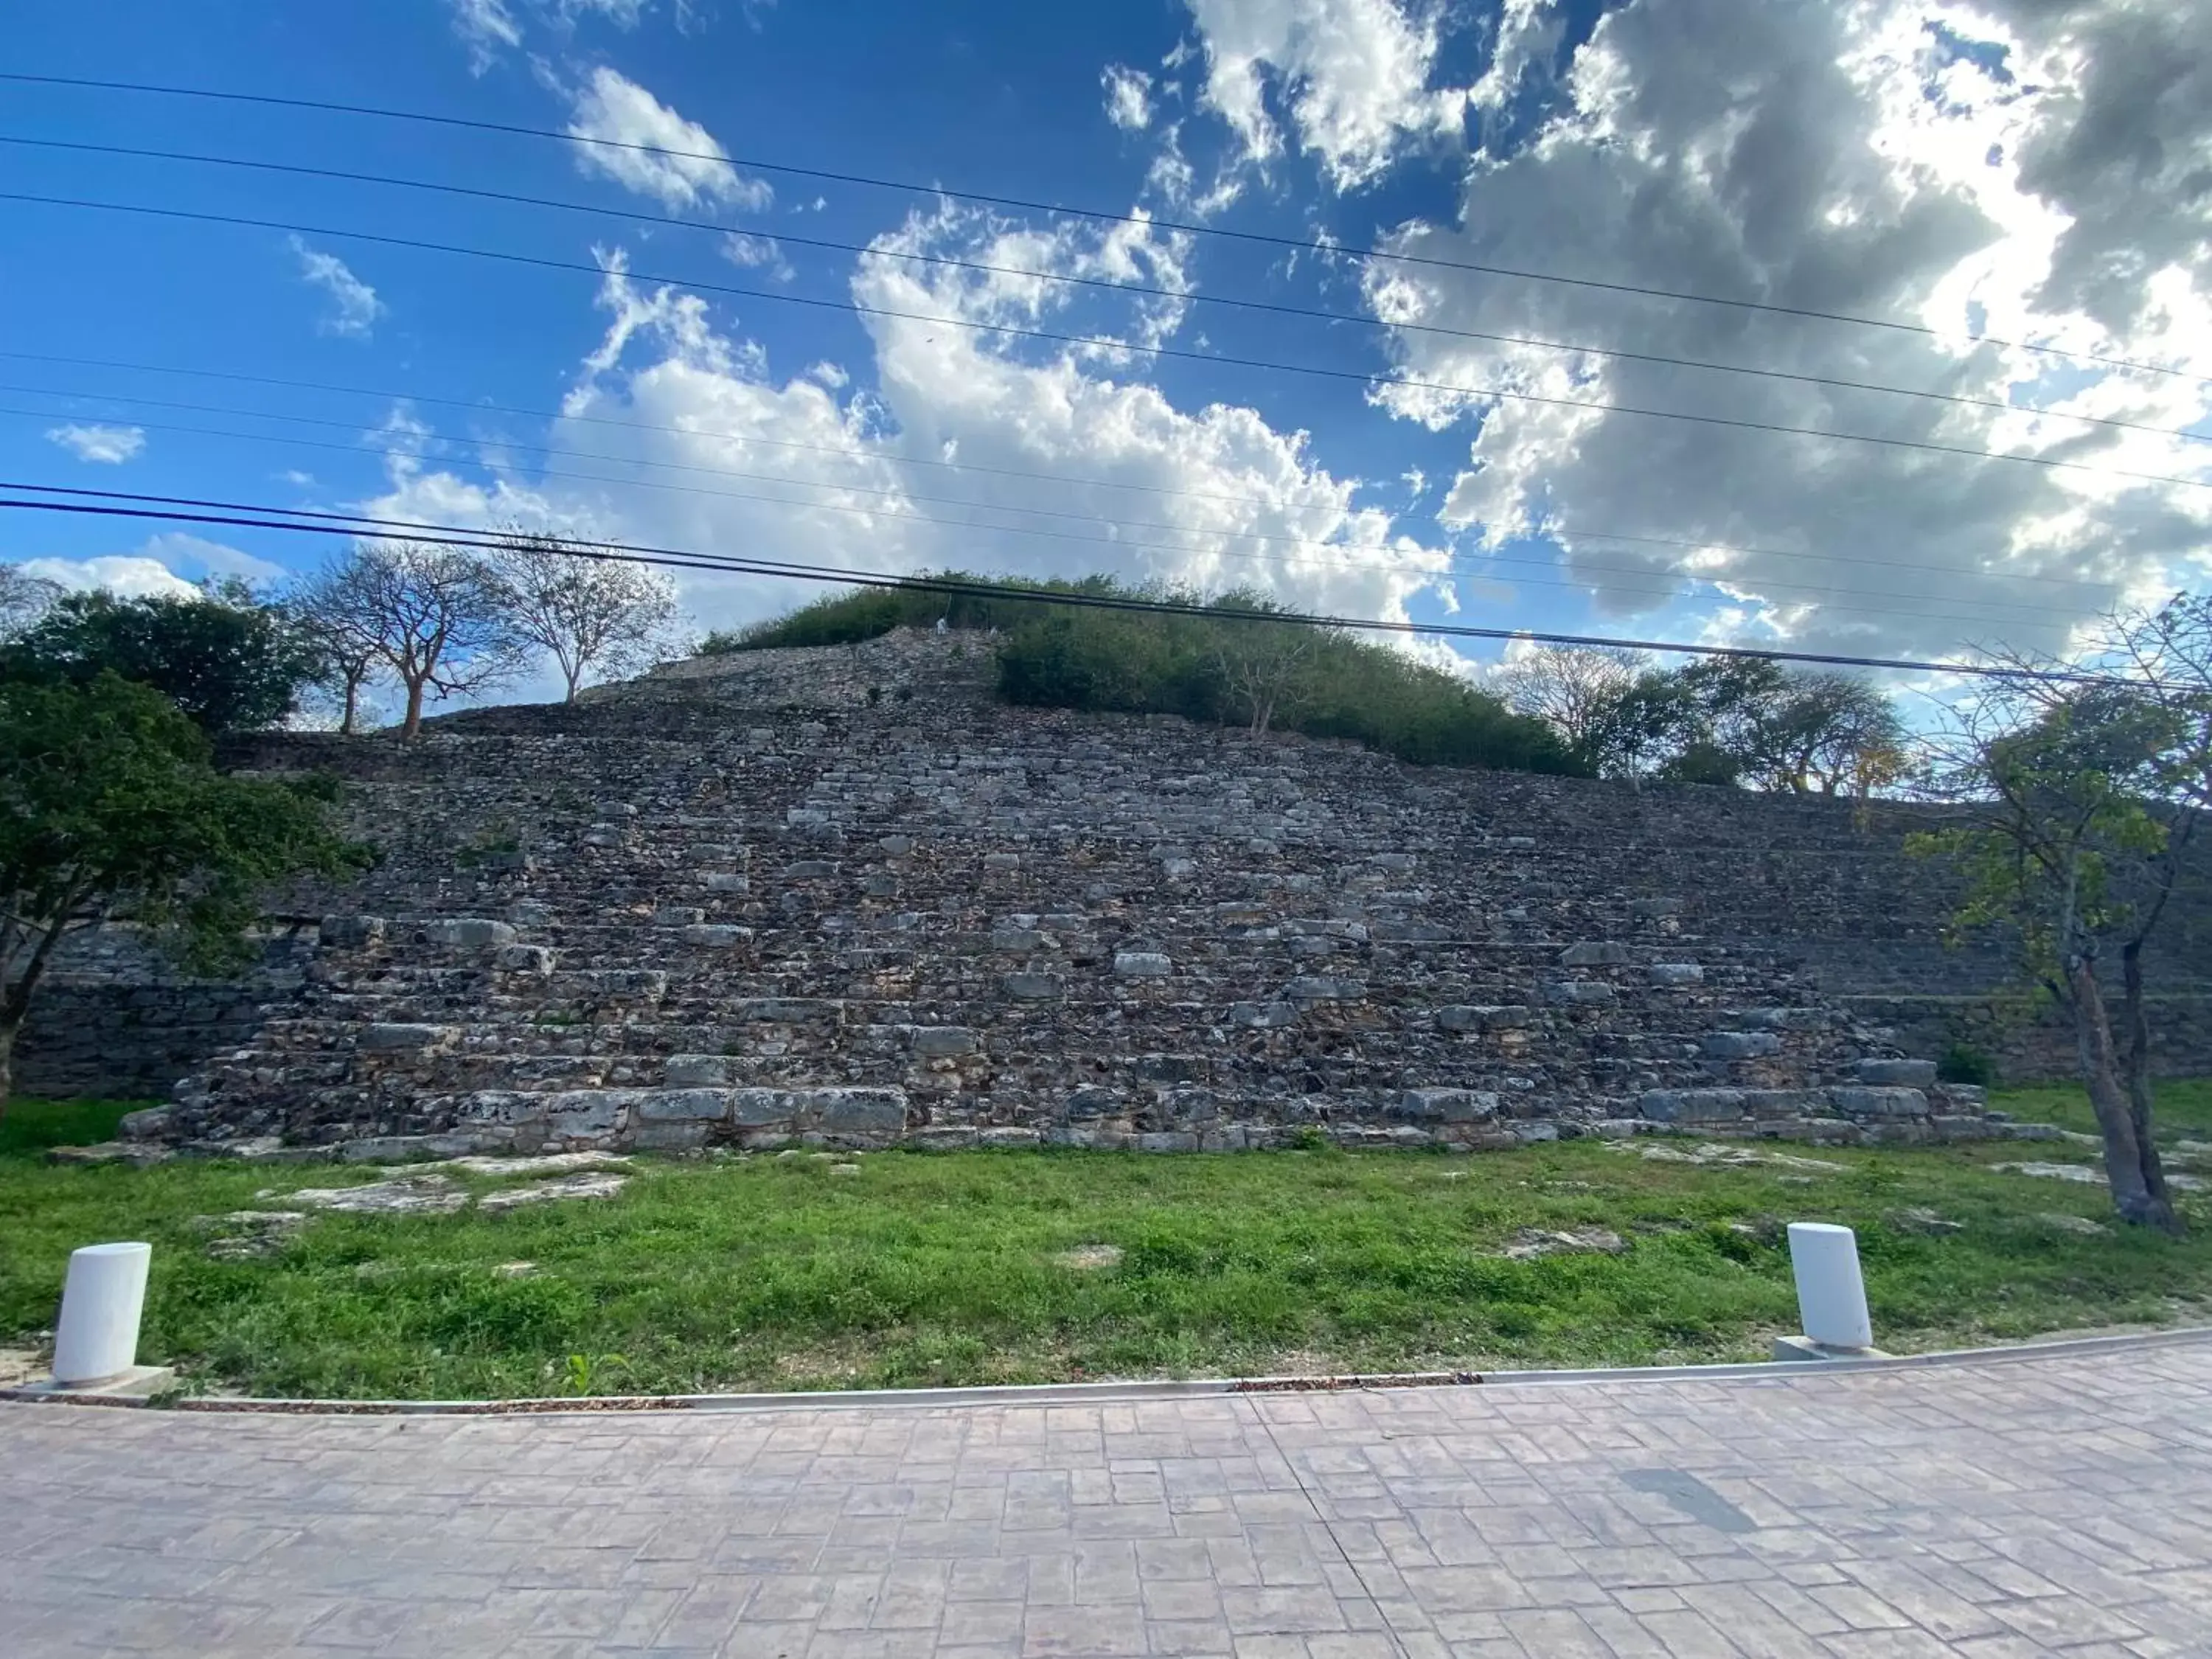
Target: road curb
[{"x": 1139, "y": 1391}]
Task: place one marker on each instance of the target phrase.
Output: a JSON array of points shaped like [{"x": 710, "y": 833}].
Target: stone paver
[{"x": 2059, "y": 1504}]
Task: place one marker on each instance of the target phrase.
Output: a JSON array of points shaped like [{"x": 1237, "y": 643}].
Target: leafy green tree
[
  {"x": 111, "y": 811},
  {"x": 2068, "y": 848},
  {"x": 23, "y": 599},
  {"x": 231, "y": 664}
]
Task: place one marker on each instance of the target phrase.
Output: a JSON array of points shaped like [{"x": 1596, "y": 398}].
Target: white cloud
[
  {"x": 130, "y": 575},
  {"x": 1128, "y": 97},
  {"x": 1351, "y": 74},
  {"x": 486, "y": 27},
  {"x": 681, "y": 165},
  {"x": 354, "y": 305},
  {"x": 756, "y": 253},
  {"x": 169, "y": 564},
  {"x": 112, "y": 445},
  {"x": 1184, "y": 496},
  {"x": 1841, "y": 159}
]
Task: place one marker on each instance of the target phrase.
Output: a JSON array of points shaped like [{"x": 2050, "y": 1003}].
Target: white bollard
[
  {"x": 101, "y": 1301},
  {"x": 1831, "y": 1295}
]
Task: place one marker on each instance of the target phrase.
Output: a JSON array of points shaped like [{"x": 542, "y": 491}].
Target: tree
[
  {"x": 111, "y": 811},
  {"x": 23, "y": 599},
  {"x": 1577, "y": 692},
  {"x": 328, "y": 611},
  {"x": 1264, "y": 667},
  {"x": 439, "y": 618},
  {"x": 591, "y": 611},
  {"x": 231, "y": 663},
  {"x": 2066, "y": 845}
]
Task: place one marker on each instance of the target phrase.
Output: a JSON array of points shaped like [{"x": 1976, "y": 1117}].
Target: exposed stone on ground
[
  {"x": 515, "y": 1270},
  {"x": 1090, "y": 1258},
  {"x": 601, "y": 1185},
  {"x": 138, "y": 1153},
  {"x": 1532, "y": 1241},
  {"x": 2072, "y": 1223},
  {"x": 1716, "y": 1152},
  {"x": 2088, "y": 1175},
  {"x": 249, "y": 1235},
  {"x": 1920, "y": 1219},
  {"x": 435, "y": 1194}
]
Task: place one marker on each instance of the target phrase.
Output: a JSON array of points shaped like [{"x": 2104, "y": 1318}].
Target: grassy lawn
[{"x": 726, "y": 1273}]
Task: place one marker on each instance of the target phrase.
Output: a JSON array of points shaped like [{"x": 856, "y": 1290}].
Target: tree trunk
[
  {"x": 352, "y": 705},
  {"x": 413, "y": 725},
  {"x": 2128, "y": 1156},
  {"x": 8, "y": 1029},
  {"x": 2135, "y": 1063}
]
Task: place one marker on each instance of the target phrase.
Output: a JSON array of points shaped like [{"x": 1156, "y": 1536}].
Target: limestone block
[
  {"x": 764, "y": 1108},
  {"x": 677, "y": 916},
  {"x": 349, "y": 931},
  {"x": 1910, "y": 1073},
  {"x": 1316, "y": 987},
  {"x": 1481, "y": 1016},
  {"x": 942, "y": 1042},
  {"x": 1019, "y": 941},
  {"x": 1009, "y": 1135},
  {"x": 1593, "y": 991},
  {"x": 1594, "y": 953},
  {"x": 394, "y": 1038},
  {"x": 1446, "y": 1105},
  {"x": 1035, "y": 988},
  {"x": 683, "y": 1105},
  {"x": 1740, "y": 1045},
  {"x": 1142, "y": 964},
  {"x": 1091, "y": 1101},
  {"x": 1002, "y": 860},
  {"x": 725, "y": 881},
  {"x": 853, "y": 1111},
  {"x": 1691, "y": 1105},
  {"x": 786, "y": 1011},
  {"x": 1170, "y": 1068},
  {"x": 810, "y": 870},
  {"x": 466, "y": 931},
  {"x": 1643, "y": 908},
  {"x": 588, "y": 1111},
  {"x": 526, "y": 959},
  {"x": 1263, "y": 1016},
  {"x": 1677, "y": 973},
  {"x": 1868, "y": 1102},
  {"x": 716, "y": 935}
]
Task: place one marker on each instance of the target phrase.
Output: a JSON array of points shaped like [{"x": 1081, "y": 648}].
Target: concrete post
[
  {"x": 1831, "y": 1296},
  {"x": 102, "y": 1299}
]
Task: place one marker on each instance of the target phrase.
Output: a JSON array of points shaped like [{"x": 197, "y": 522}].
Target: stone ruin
[{"x": 842, "y": 897}]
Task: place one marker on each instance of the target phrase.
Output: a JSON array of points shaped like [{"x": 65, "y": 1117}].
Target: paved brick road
[{"x": 2062, "y": 1505}]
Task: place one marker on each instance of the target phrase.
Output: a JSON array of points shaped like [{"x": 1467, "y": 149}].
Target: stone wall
[{"x": 842, "y": 895}]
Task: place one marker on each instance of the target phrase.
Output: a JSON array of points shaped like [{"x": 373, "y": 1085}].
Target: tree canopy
[
  {"x": 111, "y": 809},
  {"x": 229, "y": 664}
]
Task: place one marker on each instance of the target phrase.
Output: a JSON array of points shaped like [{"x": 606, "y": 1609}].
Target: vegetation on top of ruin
[{"x": 1238, "y": 660}]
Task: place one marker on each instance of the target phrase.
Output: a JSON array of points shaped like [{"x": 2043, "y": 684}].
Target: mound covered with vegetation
[{"x": 1237, "y": 660}]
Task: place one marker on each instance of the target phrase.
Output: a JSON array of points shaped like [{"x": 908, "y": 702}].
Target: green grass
[
  {"x": 934, "y": 1268},
  {"x": 2182, "y": 1107}
]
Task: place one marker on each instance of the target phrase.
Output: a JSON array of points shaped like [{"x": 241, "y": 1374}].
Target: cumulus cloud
[
  {"x": 490, "y": 28},
  {"x": 354, "y": 305},
  {"x": 168, "y": 564},
  {"x": 1128, "y": 97},
  {"x": 486, "y": 27},
  {"x": 679, "y": 164},
  {"x": 703, "y": 444},
  {"x": 2023, "y": 173},
  {"x": 1352, "y": 76},
  {"x": 112, "y": 445}
]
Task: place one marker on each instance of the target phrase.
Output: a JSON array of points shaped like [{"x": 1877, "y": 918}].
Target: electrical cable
[
  {"x": 1299, "y": 244},
  {"x": 1098, "y": 343},
  {"x": 1194, "y": 297}
]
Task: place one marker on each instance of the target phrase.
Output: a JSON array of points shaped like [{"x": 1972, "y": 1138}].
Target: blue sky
[{"x": 1888, "y": 164}]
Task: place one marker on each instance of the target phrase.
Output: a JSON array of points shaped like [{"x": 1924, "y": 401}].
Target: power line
[
  {"x": 1099, "y": 343},
  {"x": 1146, "y": 290},
  {"x": 1024, "y": 205},
  {"x": 483, "y": 406},
  {"x": 252, "y": 516},
  {"x": 1672, "y": 580}
]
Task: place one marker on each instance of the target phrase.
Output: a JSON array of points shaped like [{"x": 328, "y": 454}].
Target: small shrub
[{"x": 1964, "y": 1063}]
